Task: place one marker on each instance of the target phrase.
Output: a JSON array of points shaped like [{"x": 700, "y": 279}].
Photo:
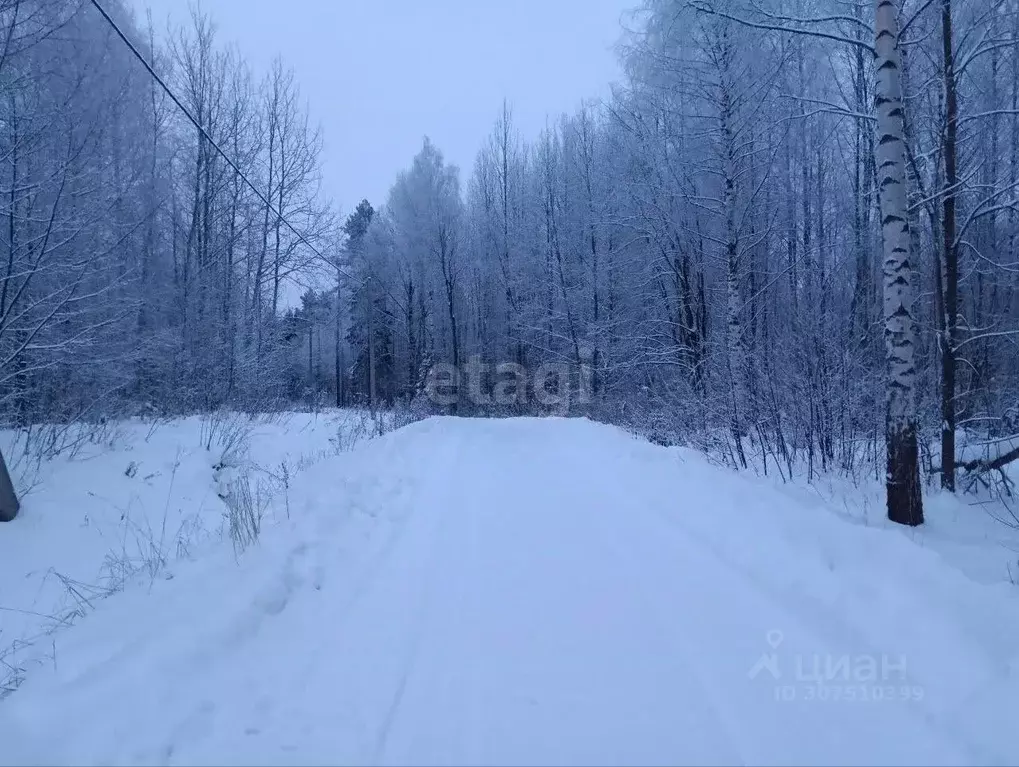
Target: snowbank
[{"x": 129, "y": 502}]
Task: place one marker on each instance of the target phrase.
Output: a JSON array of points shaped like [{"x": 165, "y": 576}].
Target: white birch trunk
[
  {"x": 903, "y": 477},
  {"x": 735, "y": 348}
]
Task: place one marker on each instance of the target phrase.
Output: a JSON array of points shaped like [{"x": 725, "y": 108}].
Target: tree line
[
  {"x": 139, "y": 272},
  {"x": 789, "y": 236}
]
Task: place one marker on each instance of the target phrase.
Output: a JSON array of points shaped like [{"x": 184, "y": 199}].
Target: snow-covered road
[{"x": 529, "y": 592}]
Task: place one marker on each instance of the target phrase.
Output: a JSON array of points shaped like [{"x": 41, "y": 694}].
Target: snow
[
  {"x": 134, "y": 496},
  {"x": 518, "y": 591}
]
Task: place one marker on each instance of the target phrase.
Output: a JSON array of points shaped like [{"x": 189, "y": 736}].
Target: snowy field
[{"x": 525, "y": 591}]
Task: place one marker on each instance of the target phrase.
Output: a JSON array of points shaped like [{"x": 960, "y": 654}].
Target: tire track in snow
[
  {"x": 834, "y": 633},
  {"x": 435, "y": 719},
  {"x": 723, "y": 717},
  {"x": 437, "y": 516},
  {"x": 645, "y": 529}
]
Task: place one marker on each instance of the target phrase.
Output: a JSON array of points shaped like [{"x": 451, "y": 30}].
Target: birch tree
[{"x": 905, "y": 504}]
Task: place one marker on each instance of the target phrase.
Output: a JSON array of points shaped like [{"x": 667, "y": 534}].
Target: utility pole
[{"x": 8, "y": 498}]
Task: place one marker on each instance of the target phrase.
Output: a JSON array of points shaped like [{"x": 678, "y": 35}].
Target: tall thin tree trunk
[
  {"x": 951, "y": 256},
  {"x": 371, "y": 346},
  {"x": 338, "y": 363},
  {"x": 311, "y": 361},
  {"x": 735, "y": 349},
  {"x": 905, "y": 504}
]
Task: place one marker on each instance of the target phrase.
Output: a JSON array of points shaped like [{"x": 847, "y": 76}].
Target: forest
[{"x": 788, "y": 238}]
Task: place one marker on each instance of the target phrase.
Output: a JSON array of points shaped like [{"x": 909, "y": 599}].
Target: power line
[{"x": 208, "y": 138}]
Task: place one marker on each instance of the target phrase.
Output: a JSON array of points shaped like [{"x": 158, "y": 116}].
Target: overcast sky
[{"x": 379, "y": 75}]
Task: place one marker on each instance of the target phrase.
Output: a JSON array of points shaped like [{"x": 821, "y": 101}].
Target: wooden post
[{"x": 8, "y": 499}]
